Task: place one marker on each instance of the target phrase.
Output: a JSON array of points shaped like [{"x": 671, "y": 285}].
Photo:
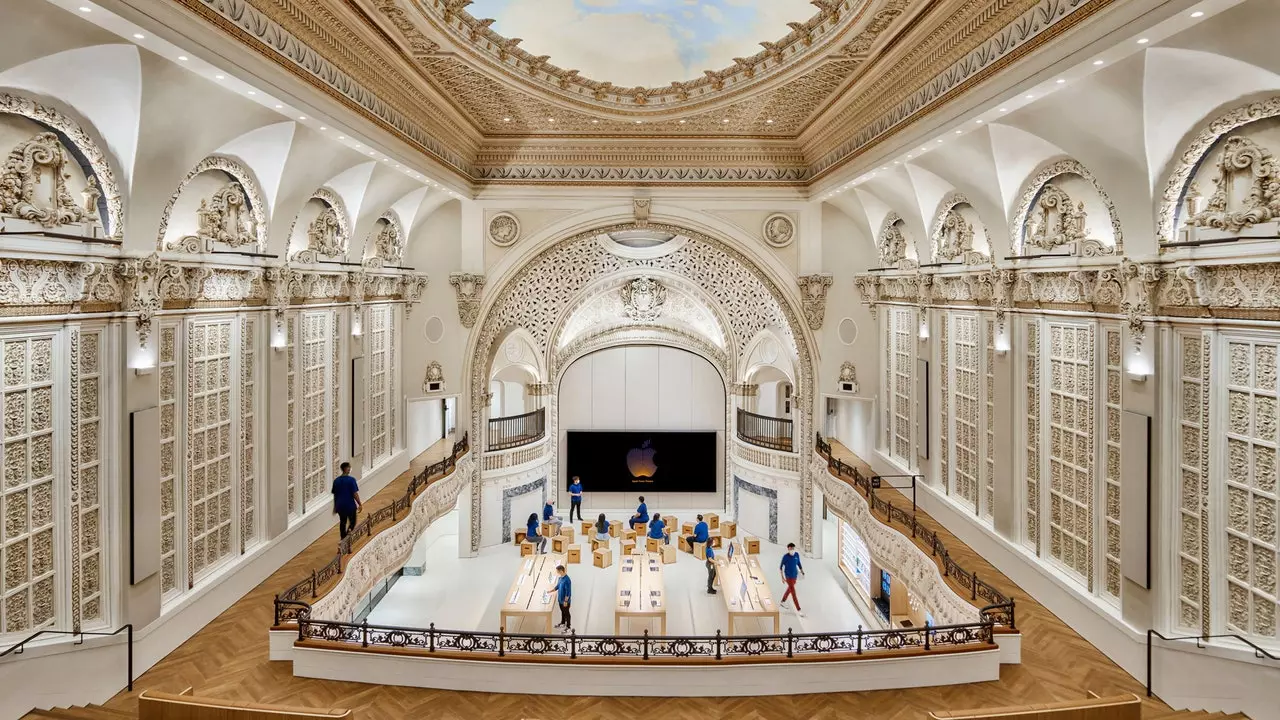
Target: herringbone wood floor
[{"x": 228, "y": 659}]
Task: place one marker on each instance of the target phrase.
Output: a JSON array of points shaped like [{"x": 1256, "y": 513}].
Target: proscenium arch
[{"x": 537, "y": 290}]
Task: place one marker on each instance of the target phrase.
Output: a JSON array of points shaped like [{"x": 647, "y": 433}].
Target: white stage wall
[{"x": 642, "y": 388}]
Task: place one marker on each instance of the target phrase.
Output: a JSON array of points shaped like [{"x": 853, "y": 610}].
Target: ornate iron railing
[
  {"x": 510, "y": 432},
  {"x": 764, "y": 431},
  {"x": 291, "y": 605},
  {"x": 1000, "y": 606},
  {"x": 648, "y": 647}
]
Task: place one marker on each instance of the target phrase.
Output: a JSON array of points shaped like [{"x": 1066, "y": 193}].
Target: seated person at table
[
  {"x": 531, "y": 534},
  {"x": 602, "y": 529},
  {"x": 658, "y": 529},
  {"x": 701, "y": 533},
  {"x": 642, "y": 513},
  {"x": 549, "y": 515}
]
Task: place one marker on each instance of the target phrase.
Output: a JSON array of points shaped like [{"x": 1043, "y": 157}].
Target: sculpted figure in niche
[
  {"x": 956, "y": 236},
  {"x": 1056, "y": 221},
  {"x": 1247, "y": 189},
  {"x": 33, "y": 185},
  {"x": 388, "y": 243},
  {"x": 225, "y": 217},
  {"x": 893, "y": 245},
  {"x": 324, "y": 235}
]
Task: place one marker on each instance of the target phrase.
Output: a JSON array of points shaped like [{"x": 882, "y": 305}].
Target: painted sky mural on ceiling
[{"x": 643, "y": 42}]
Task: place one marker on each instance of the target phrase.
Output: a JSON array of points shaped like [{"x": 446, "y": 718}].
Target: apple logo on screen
[{"x": 640, "y": 460}]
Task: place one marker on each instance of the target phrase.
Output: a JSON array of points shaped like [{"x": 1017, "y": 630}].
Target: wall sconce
[
  {"x": 924, "y": 330},
  {"x": 1001, "y": 343},
  {"x": 357, "y": 326},
  {"x": 1138, "y": 369}
]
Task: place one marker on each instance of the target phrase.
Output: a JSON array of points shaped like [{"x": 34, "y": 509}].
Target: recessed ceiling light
[
  {"x": 1004, "y": 109},
  {"x": 939, "y": 141},
  {"x": 1097, "y": 62},
  {"x": 886, "y": 167},
  {"x": 725, "y": 120},
  {"x": 302, "y": 117},
  {"x": 278, "y": 107},
  {"x": 683, "y": 122},
  {"x": 370, "y": 152},
  {"x": 639, "y": 122},
  {"x": 1030, "y": 96},
  {"x": 1143, "y": 41},
  {"x": 357, "y": 144},
  {"x": 595, "y": 122},
  {"x": 957, "y": 132},
  {"x": 551, "y": 119},
  {"x": 397, "y": 164},
  {"x": 1197, "y": 14},
  {"x": 253, "y": 92},
  {"x": 897, "y": 162},
  {"x": 219, "y": 77},
  {"x": 1061, "y": 80},
  {"x": 323, "y": 127},
  {"x": 183, "y": 58},
  {"x": 85, "y": 9},
  {"x": 506, "y": 119},
  {"x": 138, "y": 36},
  {"x": 978, "y": 121},
  {"x": 342, "y": 137},
  {"x": 769, "y": 121}
]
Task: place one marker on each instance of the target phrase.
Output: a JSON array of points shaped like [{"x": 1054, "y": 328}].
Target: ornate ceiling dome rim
[{"x": 808, "y": 43}]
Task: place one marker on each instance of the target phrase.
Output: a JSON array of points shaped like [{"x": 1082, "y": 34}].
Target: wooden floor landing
[{"x": 228, "y": 659}]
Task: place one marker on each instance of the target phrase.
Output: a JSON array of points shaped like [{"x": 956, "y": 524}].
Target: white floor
[{"x": 467, "y": 593}]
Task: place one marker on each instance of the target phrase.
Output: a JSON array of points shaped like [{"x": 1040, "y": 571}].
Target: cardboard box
[{"x": 603, "y": 557}]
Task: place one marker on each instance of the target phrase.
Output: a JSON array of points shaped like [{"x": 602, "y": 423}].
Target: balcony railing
[
  {"x": 764, "y": 431},
  {"x": 509, "y": 432}
]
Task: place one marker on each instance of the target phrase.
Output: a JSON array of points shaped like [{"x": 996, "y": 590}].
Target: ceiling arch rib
[{"x": 264, "y": 151}]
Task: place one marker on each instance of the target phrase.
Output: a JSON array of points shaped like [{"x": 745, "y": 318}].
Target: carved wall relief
[
  {"x": 778, "y": 230},
  {"x": 643, "y": 299},
  {"x": 504, "y": 229},
  {"x": 813, "y": 293},
  {"x": 956, "y": 236},
  {"x": 234, "y": 214},
  {"x": 329, "y": 234},
  {"x": 896, "y": 249},
  {"x": 387, "y": 243},
  {"x": 34, "y": 187},
  {"x": 1056, "y": 220},
  {"x": 1053, "y": 212},
  {"x": 467, "y": 286}
]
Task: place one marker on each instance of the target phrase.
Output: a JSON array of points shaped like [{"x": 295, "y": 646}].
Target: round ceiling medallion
[
  {"x": 434, "y": 329},
  {"x": 779, "y": 230},
  {"x": 504, "y": 229},
  {"x": 848, "y": 331}
]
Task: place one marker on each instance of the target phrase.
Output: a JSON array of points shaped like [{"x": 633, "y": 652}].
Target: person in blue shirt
[
  {"x": 549, "y": 515},
  {"x": 575, "y": 498},
  {"x": 602, "y": 529},
  {"x": 531, "y": 533},
  {"x": 658, "y": 529},
  {"x": 563, "y": 588},
  {"x": 711, "y": 569},
  {"x": 701, "y": 533},
  {"x": 346, "y": 500},
  {"x": 791, "y": 570},
  {"x": 642, "y": 513}
]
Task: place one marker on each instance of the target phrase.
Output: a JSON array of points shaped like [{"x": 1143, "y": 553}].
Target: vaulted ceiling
[{"x": 836, "y": 84}]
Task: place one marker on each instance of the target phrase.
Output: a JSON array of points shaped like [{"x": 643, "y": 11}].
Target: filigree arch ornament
[
  {"x": 1047, "y": 217},
  {"x": 684, "y": 305},
  {"x": 893, "y": 244},
  {"x": 544, "y": 287},
  {"x": 953, "y": 236},
  {"x": 235, "y": 214},
  {"x": 386, "y": 245},
  {"x": 101, "y": 180},
  {"x": 329, "y": 234},
  {"x": 1182, "y": 201}
]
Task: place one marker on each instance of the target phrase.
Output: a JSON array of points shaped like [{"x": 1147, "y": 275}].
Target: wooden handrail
[
  {"x": 764, "y": 431},
  {"x": 517, "y": 430},
  {"x": 1126, "y": 706},
  {"x": 153, "y": 705}
]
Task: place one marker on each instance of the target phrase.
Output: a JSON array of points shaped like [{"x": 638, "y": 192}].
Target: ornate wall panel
[
  {"x": 335, "y": 389},
  {"x": 1252, "y": 435},
  {"x": 1192, "y": 531},
  {"x": 1071, "y": 381},
  {"x": 1033, "y": 444},
  {"x": 248, "y": 431},
  {"x": 989, "y": 424},
  {"x": 88, "y": 571},
  {"x": 902, "y": 368},
  {"x": 291, "y": 375},
  {"x": 316, "y": 367},
  {"x": 944, "y": 378},
  {"x": 1111, "y": 583},
  {"x": 209, "y": 492},
  {"x": 169, "y": 364},
  {"x": 31, "y": 499},
  {"x": 379, "y": 368},
  {"x": 965, "y": 408}
]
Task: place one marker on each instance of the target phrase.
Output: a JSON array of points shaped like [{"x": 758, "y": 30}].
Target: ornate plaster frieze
[
  {"x": 307, "y": 37},
  {"x": 467, "y": 287},
  {"x": 849, "y": 374},
  {"x": 388, "y": 244},
  {"x": 25, "y": 195},
  {"x": 813, "y": 293},
  {"x": 1047, "y": 217},
  {"x": 665, "y": 174},
  {"x": 893, "y": 244},
  {"x": 235, "y": 221},
  {"x": 901, "y": 92},
  {"x": 1140, "y": 282},
  {"x": 1076, "y": 287},
  {"x": 329, "y": 235},
  {"x": 435, "y": 374},
  {"x": 146, "y": 282},
  {"x": 745, "y": 390},
  {"x": 102, "y": 174},
  {"x": 868, "y": 287},
  {"x": 323, "y": 285},
  {"x": 204, "y": 283},
  {"x": 779, "y": 230},
  {"x": 1232, "y": 287},
  {"x": 414, "y": 286},
  {"x": 899, "y": 288},
  {"x": 504, "y": 229},
  {"x": 952, "y": 236},
  {"x": 960, "y": 288},
  {"x": 643, "y": 299},
  {"x": 1000, "y": 282},
  {"x": 281, "y": 283},
  {"x": 1179, "y": 182},
  {"x": 640, "y": 208},
  {"x": 35, "y": 283},
  {"x": 544, "y": 289},
  {"x": 540, "y": 389}
]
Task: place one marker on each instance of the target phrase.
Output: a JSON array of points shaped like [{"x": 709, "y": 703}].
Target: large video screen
[{"x": 628, "y": 461}]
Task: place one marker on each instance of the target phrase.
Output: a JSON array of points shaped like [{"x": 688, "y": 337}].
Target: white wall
[
  {"x": 643, "y": 388},
  {"x": 425, "y": 424}
]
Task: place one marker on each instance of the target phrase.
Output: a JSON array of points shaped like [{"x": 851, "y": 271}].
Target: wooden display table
[
  {"x": 526, "y": 597},
  {"x": 641, "y": 591},
  {"x": 743, "y": 588}
]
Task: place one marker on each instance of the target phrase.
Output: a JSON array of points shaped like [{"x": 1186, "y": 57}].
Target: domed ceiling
[{"x": 647, "y": 43}]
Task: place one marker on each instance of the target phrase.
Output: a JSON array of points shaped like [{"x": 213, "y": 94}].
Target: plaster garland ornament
[
  {"x": 540, "y": 389},
  {"x": 746, "y": 390},
  {"x": 643, "y": 299},
  {"x": 467, "y": 287},
  {"x": 146, "y": 281},
  {"x": 329, "y": 234},
  {"x": 813, "y": 294},
  {"x": 504, "y": 229},
  {"x": 104, "y": 177},
  {"x": 235, "y": 214},
  {"x": 1057, "y": 218},
  {"x": 849, "y": 374},
  {"x": 435, "y": 374},
  {"x": 778, "y": 230},
  {"x": 1232, "y": 208},
  {"x": 24, "y": 194},
  {"x": 640, "y": 207}
]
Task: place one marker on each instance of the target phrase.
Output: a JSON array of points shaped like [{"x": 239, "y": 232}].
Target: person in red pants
[{"x": 791, "y": 570}]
